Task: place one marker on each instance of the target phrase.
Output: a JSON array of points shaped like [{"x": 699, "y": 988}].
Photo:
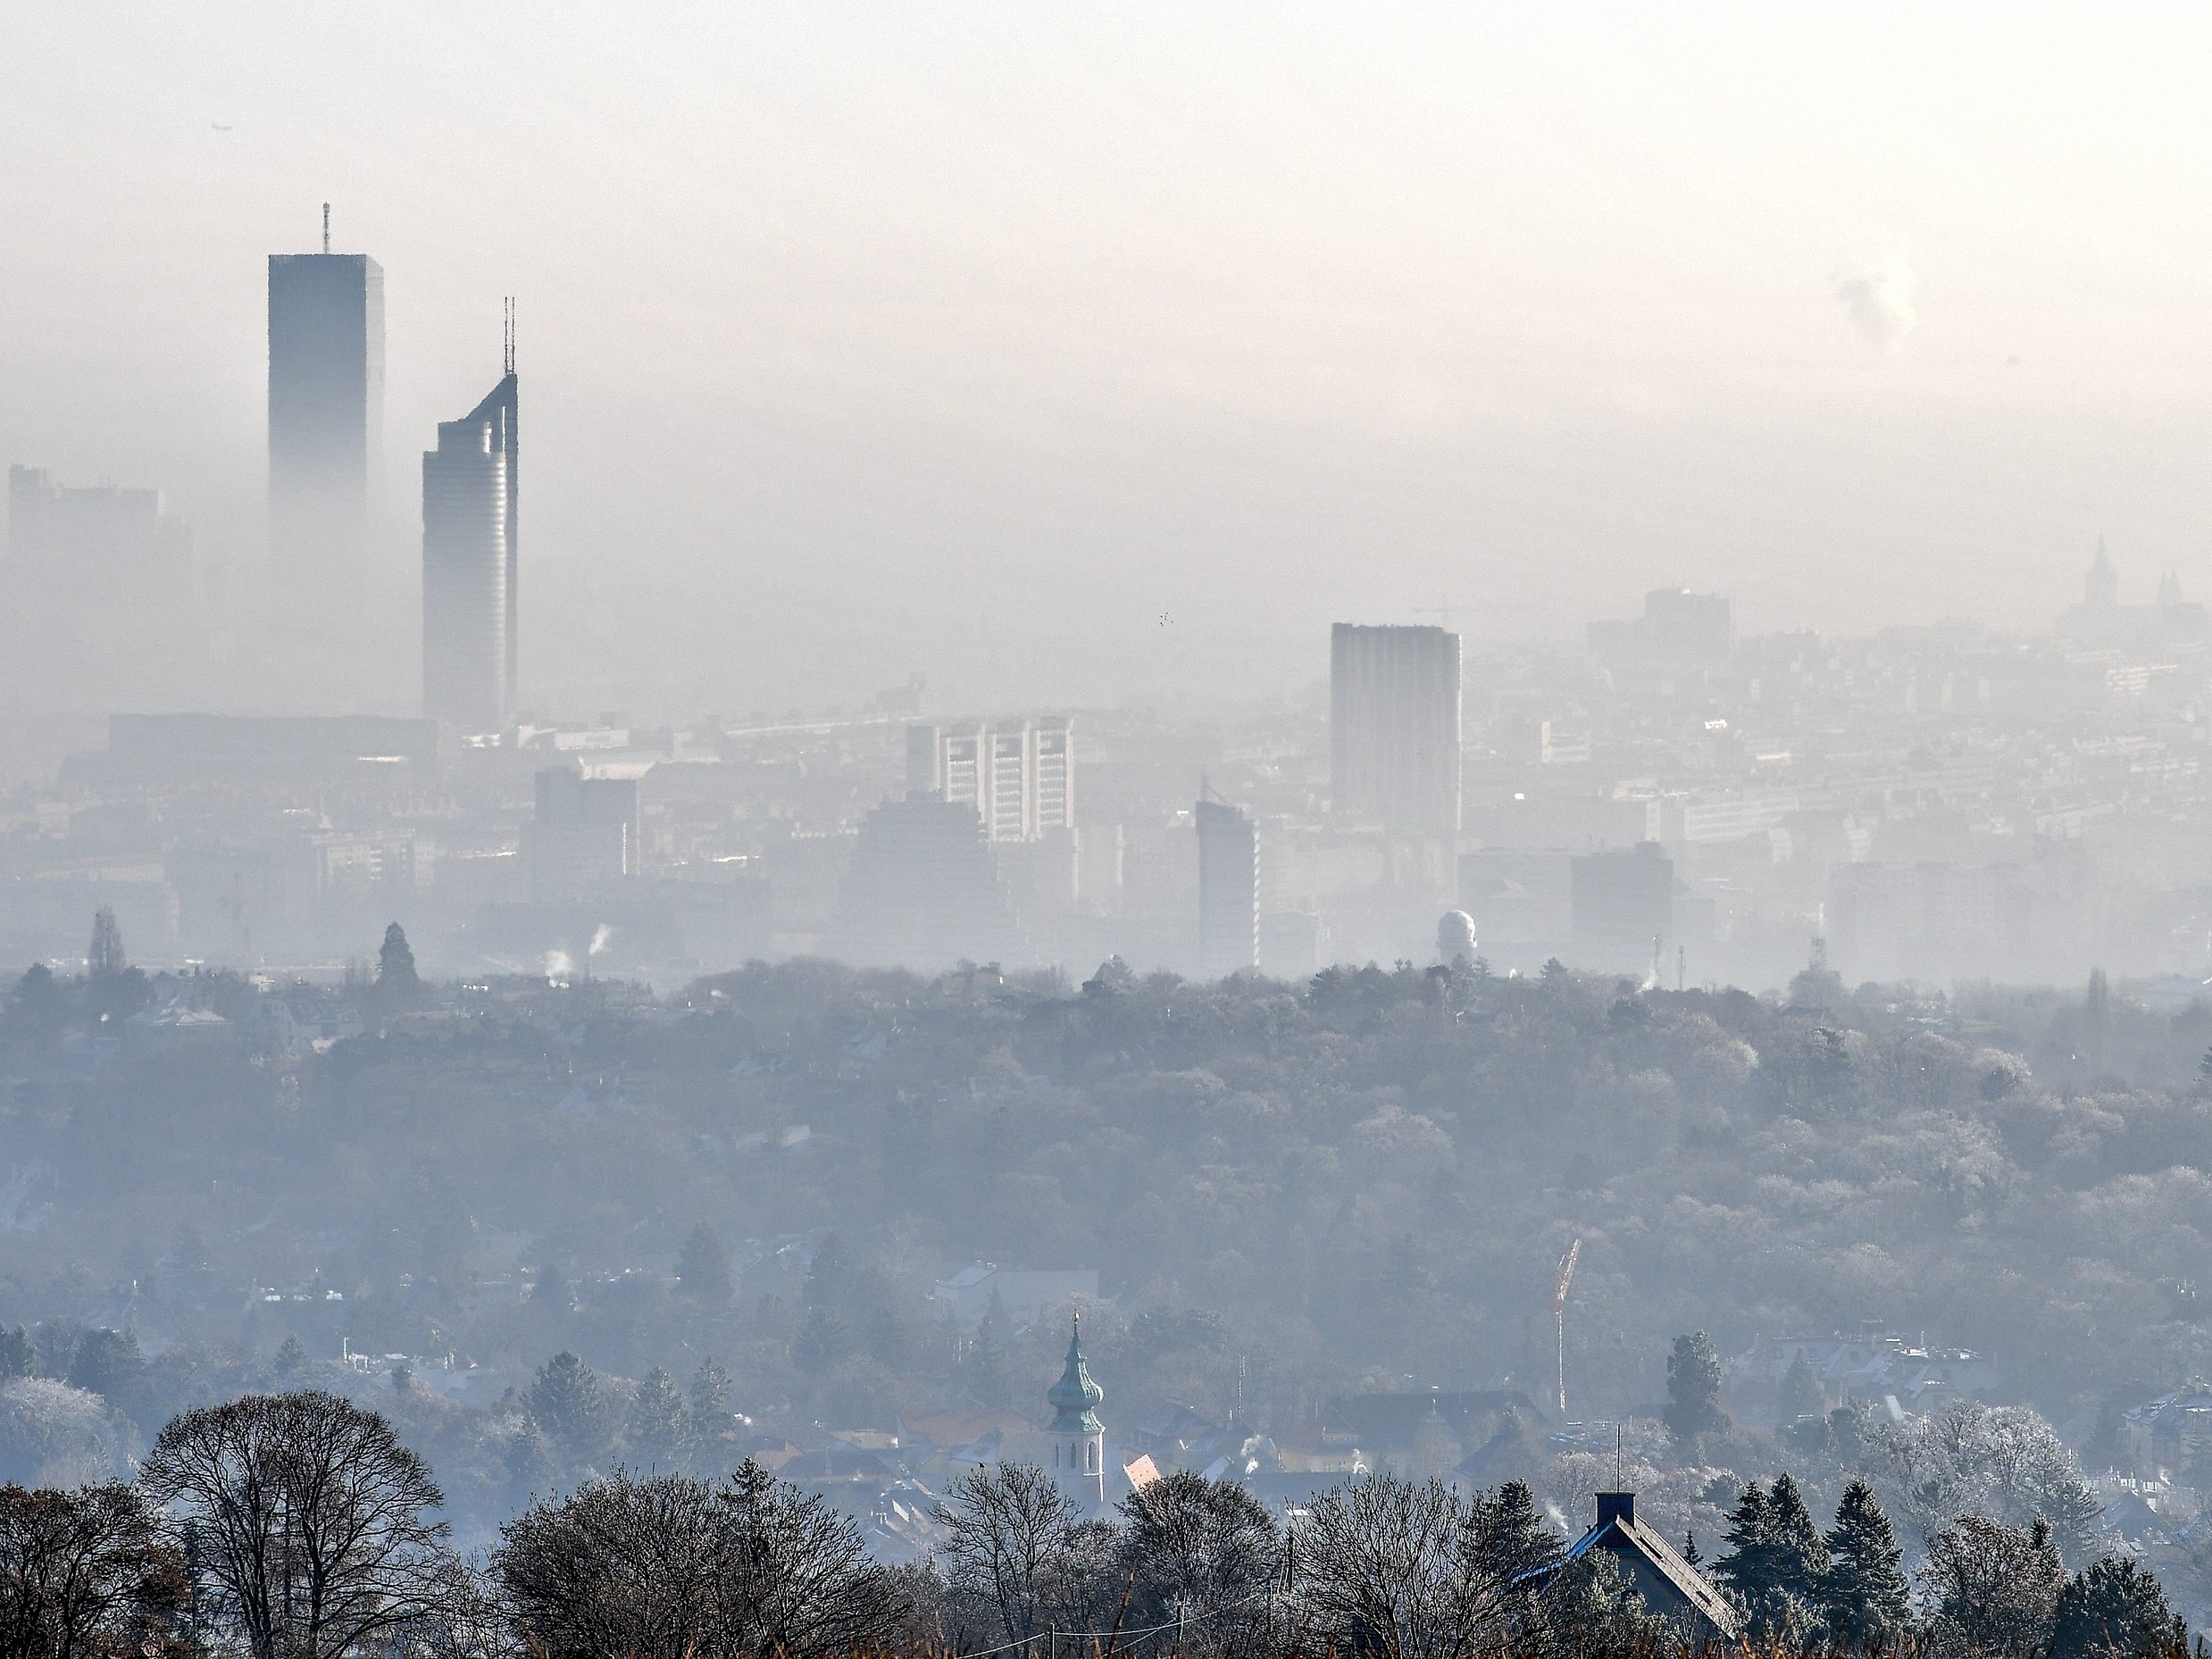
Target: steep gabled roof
[{"x": 1626, "y": 1534}]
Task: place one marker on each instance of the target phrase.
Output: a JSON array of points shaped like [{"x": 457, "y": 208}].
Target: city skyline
[
  {"x": 1464, "y": 755},
  {"x": 1546, "y": 412}
]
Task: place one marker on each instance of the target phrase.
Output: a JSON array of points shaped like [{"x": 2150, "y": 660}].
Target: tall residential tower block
[
  {"x": 1394, "y": 728},
  {"x": 1018, "y": 776}
]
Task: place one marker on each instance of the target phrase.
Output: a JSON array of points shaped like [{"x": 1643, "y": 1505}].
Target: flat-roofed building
[
  {"x": 326, "y": 404},
  {"x": 1394, "y": 728}
]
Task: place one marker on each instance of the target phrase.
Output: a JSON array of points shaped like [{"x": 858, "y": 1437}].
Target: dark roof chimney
[{"x": 1619, "y": 1507}]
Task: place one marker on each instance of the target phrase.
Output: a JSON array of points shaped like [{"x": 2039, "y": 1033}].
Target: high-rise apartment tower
[
  {"x": 326, "y": 405},
  {"x": 1229, "y": 889},
  {"x": 1017, "y": 776},
  {"x": 1394, "y": 728}
]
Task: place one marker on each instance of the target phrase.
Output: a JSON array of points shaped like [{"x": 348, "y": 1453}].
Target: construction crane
[{"x": 1559, "y": 1313}]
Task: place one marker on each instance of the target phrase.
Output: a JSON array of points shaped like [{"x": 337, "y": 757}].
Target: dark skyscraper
[
  {"x": 326, "y": 404},
  {"x": 471, "y": 485}
]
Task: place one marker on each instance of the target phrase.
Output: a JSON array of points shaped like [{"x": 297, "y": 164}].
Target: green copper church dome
[{"x": 1075, "y": 1397}]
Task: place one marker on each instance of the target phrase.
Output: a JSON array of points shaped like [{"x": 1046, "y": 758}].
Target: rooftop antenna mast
[
  {"x": 1565, "y": 1278},
  {"x": 326, "y": 227},
  {"x": 507, "y": 339}
]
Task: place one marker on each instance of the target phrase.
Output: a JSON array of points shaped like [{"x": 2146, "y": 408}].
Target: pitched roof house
[{"x": 1669, "y": 1586}]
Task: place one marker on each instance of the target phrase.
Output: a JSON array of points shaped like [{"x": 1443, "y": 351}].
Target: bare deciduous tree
[
  {"x": 1380, "y": 1569},
  {"x": 802, "y": 1582},
  {"x": 619, "y": 1566},
  {"x": 86, "y": 1575},
  {"x": 309, "y": 1523},
  {"x": 1010, "y": 1530},
  {"x": 1409, "y": 1570},
  {"x": 668, "y": 1566},
  {"x": 1992, "y": 1587},
  {"x": 1204, "y": 1553}
]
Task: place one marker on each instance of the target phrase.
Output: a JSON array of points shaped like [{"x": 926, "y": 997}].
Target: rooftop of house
[{"x": 1684, "y": 1593}]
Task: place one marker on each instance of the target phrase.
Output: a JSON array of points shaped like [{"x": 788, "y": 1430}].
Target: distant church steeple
[
  {"x": 1077, "y": 1437},
  {"x": 2100, "y": 591}
]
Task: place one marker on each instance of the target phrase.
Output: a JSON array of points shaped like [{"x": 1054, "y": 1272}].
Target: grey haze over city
[{"x": 1280, "y": 774}]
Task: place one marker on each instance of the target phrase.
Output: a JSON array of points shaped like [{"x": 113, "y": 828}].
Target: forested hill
[{"x": 1287, "y": 1189}]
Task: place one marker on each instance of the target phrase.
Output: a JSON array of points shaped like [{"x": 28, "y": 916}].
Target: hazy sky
[{"x": 972, "y": 338}]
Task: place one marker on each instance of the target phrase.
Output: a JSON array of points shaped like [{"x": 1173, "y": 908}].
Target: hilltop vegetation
[
  {"x": 1287, "y": 1191},
  {"x": 298, "y": 1526}
]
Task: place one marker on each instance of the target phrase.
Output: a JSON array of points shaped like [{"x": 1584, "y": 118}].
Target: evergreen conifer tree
[
  {"x": 1503, "y": 1538},
  {"x": 529, "y": 1466},
  {"x": 2116, "y": 1608},
  {"x": 708, "y": 1416},
  {"x": 1794, "y": 1543},
  {"x": 104, "y": 957},
  {"x": 655, "y": 1435},
  {"x": 987, "y": 1357},
  {"x": 1865, "y": 1600},
  {"x": 823, "y": 1342},
  {"x": 549, "y": 1289},
  {"x": 1747, "y": 1569},
  {"x": 703, "y": 1268},
  {"x": 397, "y": 984},
  {"x": 36, "y": 992},
  {"x": 1801, "y": 1393},
  {"x": 1693, "y": 1388},
  {"x": 568, "y": 1403}
]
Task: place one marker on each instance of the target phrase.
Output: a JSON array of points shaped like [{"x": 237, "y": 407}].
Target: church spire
[
  {"x": 2100, "y": 589},
  {"x": 1076, "y": 1398}
]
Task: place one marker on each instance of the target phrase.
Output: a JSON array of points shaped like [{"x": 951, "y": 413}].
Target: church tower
[
  {"x": 1078, "y": 1437},
  {"x": 2100, "y": 589}
]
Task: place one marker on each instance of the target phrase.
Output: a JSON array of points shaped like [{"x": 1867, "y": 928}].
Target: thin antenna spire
[
  {"x": 508, "y": 337},
  {"x": 326, "y": 227}
]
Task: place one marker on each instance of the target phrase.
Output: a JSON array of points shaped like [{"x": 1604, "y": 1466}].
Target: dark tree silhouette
[
  {"x": 88, "y": 1575},
  {"x": 657, "y": 1432},
  {"x": 104, "y": 957},
  {"x": 2116, "y": 1607},
  {"x": 668, "y": 1567},
  {"x": 1865, "y": 1598},
  {"x": 703, "y": 1268},
  {"x": 397, "y": 982},
  {"x": 311, "y": 1524},
  {"x": 1693, "y": 1388},
  {"x": 571, "y": 1405},
  {"x": 1202, "y": 1554},
  {"x": 1992, "y": 1588},
  {"x": 1010, "y": 1546}
]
